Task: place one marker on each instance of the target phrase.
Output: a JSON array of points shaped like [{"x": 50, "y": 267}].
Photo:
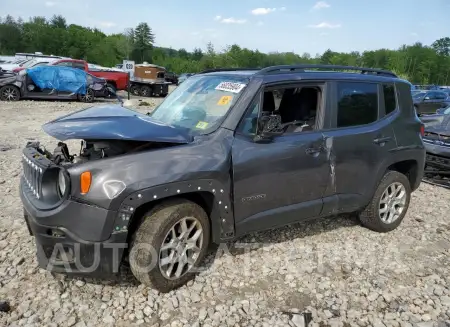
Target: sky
[{"x": 267, "y": 25}]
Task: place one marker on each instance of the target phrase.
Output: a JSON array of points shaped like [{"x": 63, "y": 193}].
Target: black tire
[
  {"x": 163, "y": 95},
  {"x": 145, "y": 91},
  {"x": 88, "y": 97},
  {"x": 9, "y": 93},
  {"x": 134, "y": 89},
  {"x": 153, "y": 231},
  {"x": 370, "y": 217}
]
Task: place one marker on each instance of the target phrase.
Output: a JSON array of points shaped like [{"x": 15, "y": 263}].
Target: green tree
[
  {"x": 442, "y": 46},
  {"x": 143, "y": 40}
]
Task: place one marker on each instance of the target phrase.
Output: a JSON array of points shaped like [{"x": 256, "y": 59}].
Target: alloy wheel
[
  {"x": 392, "y": 203},
  {"x": 9, "y": 94},
  {"x": 181, "y": 248}
]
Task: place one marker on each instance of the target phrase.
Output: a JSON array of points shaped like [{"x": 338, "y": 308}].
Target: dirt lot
[{"x": 343, "y": 274}]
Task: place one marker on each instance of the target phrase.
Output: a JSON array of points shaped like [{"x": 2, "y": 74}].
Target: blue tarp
[{"x": 59, "y": 78}]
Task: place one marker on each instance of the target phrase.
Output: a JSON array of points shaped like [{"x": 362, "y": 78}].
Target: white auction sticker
[{"x": 231, "y": 87}]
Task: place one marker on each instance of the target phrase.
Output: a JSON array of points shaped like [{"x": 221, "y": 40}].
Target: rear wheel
[
  {"x": 171, "y": 241},
  {"x": 9, "y": 93},
  {"x": 389, "y": 204},
  {"x": 145, "y": 91}
]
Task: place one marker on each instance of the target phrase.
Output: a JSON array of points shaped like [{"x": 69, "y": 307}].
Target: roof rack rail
[
  {"x": 213, "y": 70},
  {"x": 302, "y": 67}
]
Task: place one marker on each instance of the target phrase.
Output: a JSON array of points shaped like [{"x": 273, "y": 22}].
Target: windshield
[{"x": 201, "y": 102}]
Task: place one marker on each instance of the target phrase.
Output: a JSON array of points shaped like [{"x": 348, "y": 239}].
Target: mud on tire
[
  {"x": 155, "y": 230},
  {"x": 371, "y": 216}
]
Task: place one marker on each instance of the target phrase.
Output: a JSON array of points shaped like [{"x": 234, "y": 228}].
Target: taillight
[{"x": 422, "y": 130}]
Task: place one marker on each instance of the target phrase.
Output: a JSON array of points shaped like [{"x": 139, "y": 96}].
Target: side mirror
[{"x": 268, "y": 127}]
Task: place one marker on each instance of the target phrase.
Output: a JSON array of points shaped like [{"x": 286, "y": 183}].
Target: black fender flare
[
  {"x": 398, "y": 155},
  {"x": 222, "y": 218}
]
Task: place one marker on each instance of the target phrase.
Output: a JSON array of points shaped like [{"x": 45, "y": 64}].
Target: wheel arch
[
  {"x": 211, "y": 195},
  {"x": 112, "y": 82},
  {"x": 407, "y": 163}
]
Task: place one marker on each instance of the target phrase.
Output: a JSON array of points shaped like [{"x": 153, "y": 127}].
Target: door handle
[{"x": 381, "y": 140}]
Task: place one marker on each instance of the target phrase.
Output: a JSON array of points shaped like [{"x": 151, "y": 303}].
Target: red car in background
[{"x": 116, "y": 80}]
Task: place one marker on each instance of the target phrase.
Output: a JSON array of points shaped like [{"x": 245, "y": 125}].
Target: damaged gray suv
[{"x": 228, "y": 152}]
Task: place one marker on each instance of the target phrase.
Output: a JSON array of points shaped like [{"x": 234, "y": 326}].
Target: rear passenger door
[{"x": 361, "y": 138}]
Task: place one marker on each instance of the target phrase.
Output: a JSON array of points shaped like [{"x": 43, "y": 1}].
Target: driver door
[{"x": 277, "y": 182}]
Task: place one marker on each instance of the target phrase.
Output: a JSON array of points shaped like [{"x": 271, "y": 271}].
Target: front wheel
[
  {"x": 389, "y": 204},
  {"x": 170, "y": 243},
  {"x": 9, "y": 93},
  {"x": 88, "y": 97}
]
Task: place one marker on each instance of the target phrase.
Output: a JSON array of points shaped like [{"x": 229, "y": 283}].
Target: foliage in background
[{"x": 418, "y": 63}]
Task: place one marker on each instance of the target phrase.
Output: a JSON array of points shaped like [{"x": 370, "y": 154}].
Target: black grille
[{"x": 32, "y": 174}]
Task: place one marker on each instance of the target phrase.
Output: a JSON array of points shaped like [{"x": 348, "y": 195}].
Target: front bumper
[
  {"x": 75, "y": 238},
  {"x": 58, "y": 250},
  {"x": 436, "y": 149}
]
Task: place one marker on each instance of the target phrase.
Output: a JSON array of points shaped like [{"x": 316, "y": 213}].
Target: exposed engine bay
[{"x": 95, "y": 150}]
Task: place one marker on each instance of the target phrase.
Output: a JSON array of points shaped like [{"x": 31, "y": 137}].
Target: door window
[
  {"x": 357, "y": 103},
  {"x": 295, "y": 109}
]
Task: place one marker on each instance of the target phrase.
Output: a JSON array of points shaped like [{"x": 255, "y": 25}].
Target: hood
[
  {"x": 437, "y": 124},
  {"x": 114, "y": 122}
]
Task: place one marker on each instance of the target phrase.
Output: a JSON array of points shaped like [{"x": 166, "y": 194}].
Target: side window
[
  {"x": 390, "y": 102},
  {"x": 357, "y": 103},
  {"x": 78, "y": 65},
  {"x": 294, "y": 109},
  {"x": 432, "y": 95}
]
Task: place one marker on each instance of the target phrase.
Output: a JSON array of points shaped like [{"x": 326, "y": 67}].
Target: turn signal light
[{"x": 85, "y": 182}]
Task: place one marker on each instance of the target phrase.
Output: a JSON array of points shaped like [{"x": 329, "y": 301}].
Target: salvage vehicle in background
[
  {"x": 437, "y": 144},
  {"x": 149, "y": 80},
  {"x": 427, "y": 102},
  {"x": 48, "y": 82},
  {"x": 117, "y": 80},
  {"x": 171, "y": 77},
  {"x": 219, "y": 158}
]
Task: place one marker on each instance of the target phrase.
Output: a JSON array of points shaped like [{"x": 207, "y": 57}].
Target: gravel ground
[{"x": 340, "y": 272}]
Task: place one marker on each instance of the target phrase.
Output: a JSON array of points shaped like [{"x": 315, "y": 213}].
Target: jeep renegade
[{"x": 228, "y": 152}]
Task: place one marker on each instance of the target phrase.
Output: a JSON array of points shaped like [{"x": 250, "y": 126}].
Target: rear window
[{"x": 390, "y": 102}]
